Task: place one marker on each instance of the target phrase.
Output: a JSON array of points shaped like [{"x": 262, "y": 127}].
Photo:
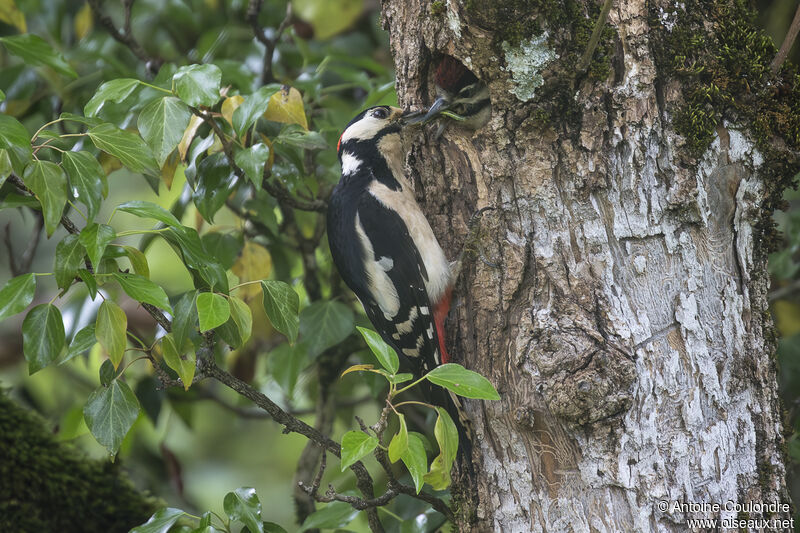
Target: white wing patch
[
  {"x": 350, "y": 164},
  {"x": 408, "y": 325},
  {"x": 378, "y": 282}
]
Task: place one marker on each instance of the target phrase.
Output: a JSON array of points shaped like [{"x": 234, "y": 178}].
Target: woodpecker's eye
[{"x": 380, "y": 112}]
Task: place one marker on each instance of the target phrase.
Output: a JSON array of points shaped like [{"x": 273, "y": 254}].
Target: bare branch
[
  {"x": 26, "y": 259},
  {"x": 788, "y": 41},
  {"x": 126, "y": 36},
  {"x": 253, "y": 10}
]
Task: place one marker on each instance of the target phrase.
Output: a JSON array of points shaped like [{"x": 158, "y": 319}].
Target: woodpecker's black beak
[
  {"x": 440, "y": 104},
  {"x": 411, "y": 117}
]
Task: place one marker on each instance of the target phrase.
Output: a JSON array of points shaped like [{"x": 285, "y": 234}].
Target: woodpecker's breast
[{"x": 436, "y": 264}]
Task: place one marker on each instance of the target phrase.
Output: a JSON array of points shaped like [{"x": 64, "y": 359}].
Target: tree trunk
[{"x": 618, "y": 301}]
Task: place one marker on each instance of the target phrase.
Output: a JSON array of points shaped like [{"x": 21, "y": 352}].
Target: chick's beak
[{"x": 440, "y": 104}]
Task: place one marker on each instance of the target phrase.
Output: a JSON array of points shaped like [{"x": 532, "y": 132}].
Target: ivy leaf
[
  {"x": 399, "y": 443},
  {"x": 463, "y": 382},
  {"x": 86, "y": 178},
  {"x": 215, "y": 183},
  {"x": 42, "y": 336},
  {"x": 281, "y": 304},
  {"x": 35, "y": 51},
  {"x": 16, "y": 295},
  {"x": 110, "y": 412},
  {"x": 138, "y": 261},
  {"x": 355, "y": 445},
  {"x": 325, "y": 324},
  {"x": 284, "y": 364},
  {"x": 242, "y": 317},
  {"x": 286, "y": 106},
  {"x": 254, "y": 106},
  {"x": 17, "y": 142},
  {"x": 128, "y": 147},
  {"x": 184, "y": 321},
  {"x": 110, "y": 330},
  {"x": 243, "y": 506},
  {"x": 415, "y": 460},
  {"x": 6, "y": 166},
  {"x": 114, "y": 90},
  {"x": 69, "y": 257},
  {"x": 384, "y": 353},
  {"x": 162, "y": 123},
  {"x": 160, "y": 522},
  {"x": 143, "y": 290},
  {"x": 81, "y": 342},
  {"x": 198, "y": 84},
  {"x": 252, "y": 161},
  {"x": 144, "y": 209},
  {"x": 335, "y": 515},
  {"x": 447, "y": 437},
  {"x": 184, "y": 365},
  {"x": 295, "y": 135},
  {"x": 89, "y": 280},
  {"x": 212, "y": 310},
  {"x": 49, "y": 183},
  {"x": 95, "y": 238}
]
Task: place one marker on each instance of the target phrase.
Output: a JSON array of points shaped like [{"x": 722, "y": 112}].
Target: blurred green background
[{"x": 191, "y": 449}]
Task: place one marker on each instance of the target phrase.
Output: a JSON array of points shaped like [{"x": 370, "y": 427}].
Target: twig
[
  {"x": 253, "y": 10},
  {"x": 788, "y": 41},
  {"x": 595, "y": 38},
  {"x": 27, "y": 256},
  {"x": 125, "y": 37}
]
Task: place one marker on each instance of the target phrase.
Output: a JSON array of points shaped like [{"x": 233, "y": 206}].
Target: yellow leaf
[
  {"x": 109, "y": 163},
  {"x": 787, "y": 317},
  {"x": 229, "y": 106},
  {"x": 84, "y": 20},
  {"x": 357, "y": 368},
  {"x": 188, "y": 135},
  {"x": 286, "y": 106},
  {"x": 328, "y": 17},
  {"x": 169, "y": 168},
  {"x": 253, "y": 264},
  {"x": 10, "y": 14}
]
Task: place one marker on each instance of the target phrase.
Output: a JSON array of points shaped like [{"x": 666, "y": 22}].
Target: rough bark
[{"x": 625, "y": 320}]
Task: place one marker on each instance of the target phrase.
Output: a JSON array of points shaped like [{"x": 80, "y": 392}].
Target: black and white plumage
[{"x": 382, "y": 243}]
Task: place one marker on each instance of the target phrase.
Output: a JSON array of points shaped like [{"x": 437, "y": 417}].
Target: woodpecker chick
[
  {"x": 382, "y": 243},
  {"x": 460, "y": 95}
]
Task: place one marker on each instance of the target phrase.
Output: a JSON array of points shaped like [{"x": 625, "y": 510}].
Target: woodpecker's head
[
  {"x": 460, "y": 94},
  {"x": 372, "y": 127}
]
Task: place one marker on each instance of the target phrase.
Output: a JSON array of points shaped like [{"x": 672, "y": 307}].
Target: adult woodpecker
[
  {"x": 382, "y": 243},
  {"x": 460, "y": 94}
]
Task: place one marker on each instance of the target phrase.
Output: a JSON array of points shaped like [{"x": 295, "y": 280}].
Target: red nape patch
[
  {"x": 440, "y": 311},
  {"x": 339, "y": 144}
]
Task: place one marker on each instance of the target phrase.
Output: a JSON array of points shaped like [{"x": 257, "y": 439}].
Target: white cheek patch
[
  {"x": 378, "y": 282},
  {"x": 366, "y": 128},
  {"x": 350, "y": 164}
]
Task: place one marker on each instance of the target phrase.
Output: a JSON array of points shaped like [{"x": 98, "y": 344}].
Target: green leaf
[
  {"x": 355, "y": 445},
  {"x": 335, "y": 515},
  {"x": 242, "y": 317},
  {"x": 384, "y": 353},
  {"x": 198, "y": 84},
  {"x": 463, "y": 382},
  {"x": 447, "y": 436},
  {"x": 143, "y": 290},
  {"x": 281, "y": 304},
  {"x": 86, "y": 178},
  {"x": 7, "y": 167},
  {"x": 69, "y": 257},
  {"x": 110, "y": 412},
  {"x": 252, "y": 161},
  {"x": 196, "y": 257},
  {"x": 253, "y": 107},
  {"x": 114, "y": 90},
  {"x": 183, "y": 364},
  {"x": 80, "y": 119},
  {"x": 325, "y": 324},
  {"x": 162, "y": 123},
  {"x": 110, "y": 330},
  {"x": 400, "y": 378},
  {"x": 49, "y": 183},
  {"x": 108, "y": 373},
  {"x": 16, "y": 295},
  {"x": 215, "y": 183},
  {"x": 184, "y": 320},
  {"x": 138, "y": 261},
  {"x": 128, "y": 147},
  {"x": 16, "y": 140},
  {"x": 272, "y": 527},
  {"x": 243, "y": 506},
  {"x": 95, "y": 238},
  {"x": 42, "y": 336},
  {"x": 399, "y": 443},
  {"x": 415, "y": 459},
  {"x": 160, "y": 522},
  {"x": 439, "y": 476},
  {"x": 144, "y": 209},
  {"x": 89, "y": 280},
  {"x": 81, "y": 343},
  {"x": 212, "y": 310},
  {"x": 35, "y": 51},
  {"x": 284, "y": 364},
  {"x": 294, "y": 135}
]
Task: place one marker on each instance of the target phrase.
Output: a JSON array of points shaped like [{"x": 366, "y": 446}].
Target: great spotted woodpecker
[
  {"x": 461, "y": 93},
  {"x": 382, "y": 243}
]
